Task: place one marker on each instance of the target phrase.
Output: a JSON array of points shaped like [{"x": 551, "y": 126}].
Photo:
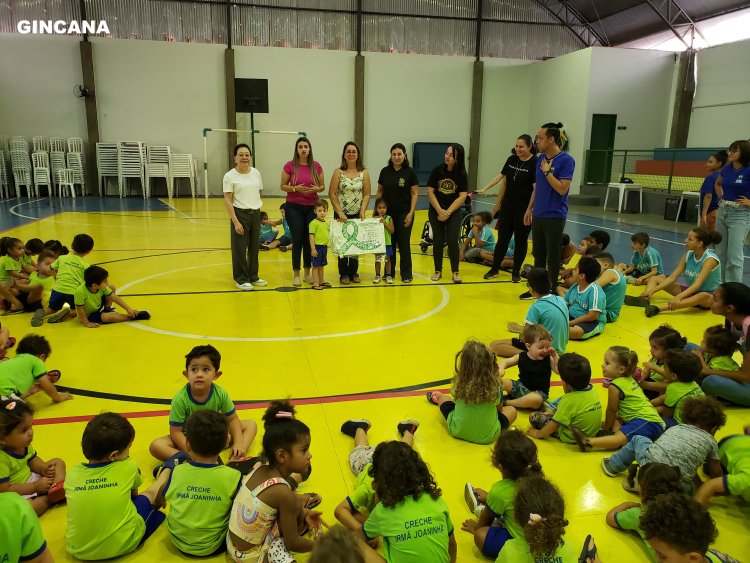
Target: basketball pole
[{"x": 252, "y": 132}]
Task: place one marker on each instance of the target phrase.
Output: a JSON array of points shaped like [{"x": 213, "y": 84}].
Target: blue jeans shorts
[
  {"x": 519, "y": 390},
  {"x": 640, "y": 427}
]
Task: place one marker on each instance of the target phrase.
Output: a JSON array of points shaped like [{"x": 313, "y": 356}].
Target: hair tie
[
  {"x": 284, "y": 414},
  {"x": 10, "y": 406},
  {"x": 535, "y": 518}
]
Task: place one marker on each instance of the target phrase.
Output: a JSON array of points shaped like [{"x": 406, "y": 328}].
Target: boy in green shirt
[
  {"x": 106, "y": 515},
  {"x": 69, "y": 268},
  {"x": 734, "y": 454},
  {"x": 93, "y": 300},
  {"x": 681, "y": 368},
  {"x": 200, "y": 492},
  {"x": 318, "y": 240},
  {"x": 579, "y": 406},
  {"x": 201, "y": 393},
  {"x": 21, "y": 537},
  {"x": 26, "y": 373}
]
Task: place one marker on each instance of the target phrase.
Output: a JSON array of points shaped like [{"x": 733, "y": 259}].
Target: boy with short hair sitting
[
  {"x": 27, "y": 373},
  {"x": 200, "y": 493},
  {"x": 93, "y": 300},
  {"x": 586, "y": 301},
  {"x": 612, "y": 281},
  {"x": 106, "y": 515},
  {"x": 579, "y": 406},
  {"x": 201, "y": 393},
  {"x": 645, "y": 263}
]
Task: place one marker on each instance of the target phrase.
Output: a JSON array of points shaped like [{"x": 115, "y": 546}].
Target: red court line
[{"x": 255, "y": 406}]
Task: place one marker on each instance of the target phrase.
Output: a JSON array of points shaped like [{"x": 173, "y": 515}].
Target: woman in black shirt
[
  {"x": 514, "y": 204},
  {"x": 399, "y": 187},
  {"x": 447, "y": 189}
]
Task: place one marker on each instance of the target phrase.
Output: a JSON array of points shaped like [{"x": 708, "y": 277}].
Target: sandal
[
  {"x": 13, "y": 312},
  {"x": 432, "y": 398},
  {"x": 437, "y": 275},
  {"x": 325, "y": 284},
  {"x": 355, "y": 279},
  {"x": 588, "y": 553},
  {"x": 54, "y": 375},
  {"x": 316, "y": 287},
  {"x": 344, "y": 280},
  {"x": 313, "y": 500}
]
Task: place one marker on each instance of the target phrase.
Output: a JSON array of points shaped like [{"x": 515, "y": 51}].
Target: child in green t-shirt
[
  {"x": 21, "y": 537},
  {"x": 540, "y": 507},
  {"x": 717, "y": 347},
  {"x": 22, "y": 471},
  {"x": 201, "y": 393},
  {"x": 26, "y": 373},
  {"x": 94, "y": 298},
  {"x": 679, "y": 530},
  {"x": 381, "y": 212},
  {"x": 681, "y": 368},
  {"x": 663, "y": 338},
  {"x": 579, "y": 406},
  {"x": 654, "y": 479},
  {"x": 410, "y": 516},
  {"x": 43, "y": 276},
  {"x": 354, "y": 509},
  {"x": 734, "y": 455},
  {"x": 515, "y": 456},
  {"x": 106, "y": 515},
  {"x": 318, "y": 240},
  {"x": 31, "y": 248},
  {"x": 200, "y": 493},
  {"x": 14, "y": 280}
]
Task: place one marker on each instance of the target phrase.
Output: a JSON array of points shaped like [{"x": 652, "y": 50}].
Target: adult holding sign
[
  {"x": 350, "y": 195},
  {"x": 554, "y": 171},
  {"x": 733, "y": 219},
  {"x": 447, "y": 189}
]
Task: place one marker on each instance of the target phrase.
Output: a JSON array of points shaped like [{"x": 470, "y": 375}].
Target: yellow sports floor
[{"x": 333, "y": 347}]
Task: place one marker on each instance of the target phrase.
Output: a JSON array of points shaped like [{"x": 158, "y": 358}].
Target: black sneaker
[
  {"x": 515, "y": 277},
  {"x": 410, "y": 425},
  {"x": 526, "y": 296},
  {"x": 350, "y": 426},
  {"x": 652, "y": 310},
  {"x": 142, "y": 316},
  {"x": 283, "y": 248},
  {"x": 634, "y": 301},
  {"x": 492, "y": 273}
]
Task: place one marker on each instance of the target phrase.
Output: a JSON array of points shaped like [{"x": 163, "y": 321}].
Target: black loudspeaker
[{"x": 251, "y": 95}]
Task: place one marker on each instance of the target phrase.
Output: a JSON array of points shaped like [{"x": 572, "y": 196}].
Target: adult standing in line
[
  {"x": 350, "y": 195},
  {"x": 447, "y": 189},
  {"x": 399, "y": 187},
  {"x": 513, "y": 206},
  {"x": 709, "y": 203},
  {"x": 554, "y": 172},
  {"x": 302, "y": 179},
  {"x": 732, "y": 301},
  {"x": 733, "y": 219},
  {"x": 242, "y": 186}
]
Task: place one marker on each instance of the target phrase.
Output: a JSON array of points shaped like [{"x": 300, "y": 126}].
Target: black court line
[{"x": 153, "y": 256}]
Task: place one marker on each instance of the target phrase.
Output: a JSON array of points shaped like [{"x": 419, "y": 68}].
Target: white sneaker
[
  {"x": 244, "y": 286},
  {"x": 308, "y": 279},
  {"x": 376, "y": 279},
  {"x": 260, "y": 283},
  {"x": 296, "y": 282}
]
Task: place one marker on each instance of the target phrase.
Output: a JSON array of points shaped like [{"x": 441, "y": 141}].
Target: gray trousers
[{"x": 245, "y": 247}]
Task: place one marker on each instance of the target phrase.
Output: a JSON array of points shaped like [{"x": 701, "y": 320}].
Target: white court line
[
  {"x": 12, "y": 210},
  {"x": 443, "y": 303},
  {"x": 173, "y": 208}
]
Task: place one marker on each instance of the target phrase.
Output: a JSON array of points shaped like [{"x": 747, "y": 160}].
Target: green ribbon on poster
[{"x": 349, "y": 231}]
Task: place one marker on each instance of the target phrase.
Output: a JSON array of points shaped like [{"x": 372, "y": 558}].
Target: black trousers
[
  {"x": 401, "y": 240},
  {"x": 445, "y": 232},
  {"x": 547, "y": 235},
  {"x": 245, "y": 247},
  {"x": 511, "y": 224},
  {"x": 298, "y": 217},
  {"x": 349, "y": 265}
]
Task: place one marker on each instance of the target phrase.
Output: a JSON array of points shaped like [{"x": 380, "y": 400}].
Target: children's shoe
[
  {"x": 142, "y": 316},
  {"x": 389, "y": 280},
  {"x": 608, "y": 471},
  {"x": 652, "y": 311},
  {"x": 472, "y": 502},
  {"x": 538, "y": 420},
  {"x": 56, "y": 492},
  {"x": 376, "y": 279},
  {"x": 607, "y": 382},
  {"x": 38, "y": 318},
  {"x": 405, "y": 426},
  {"x": 631, "y": 486},
  {"x": 58, "y": 317},
  {"x": 11, "y": 342},
  {"x": 171, "y": 463},
  {"x": 350, "y": 427},
  {"x": 634, "y": 301},
  {"x": 492, "y": 273},
  {"x": 283, "y": 248},
  {"x": 54, "y": 375},
  {"x": 263, "y": 246}
]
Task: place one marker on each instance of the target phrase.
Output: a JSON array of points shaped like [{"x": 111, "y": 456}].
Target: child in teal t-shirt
[
  {"x": 201, "y": 393},
  {"x": 540, "y": 506},
  {"x": 681, "y": 368},
  {"x": 515, "y": 456},
  {"x": 381, "y": 212},
  {"x": 94, "y": 298},
  {"x": 106, "y": 515},
  {"x": 481, "y": 237},
  {"x": 354, "y": 509},
  {"x": 579, "y": 406},
  {"x": 410, "y": 516},
  {"x": 587, "y": 302},
  {"x": 267, "y": 232}
]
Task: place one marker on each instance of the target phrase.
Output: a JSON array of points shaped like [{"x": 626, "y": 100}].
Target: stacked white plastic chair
[
  {"x": 130, "y": 164},
  {"x": 40, "y": 144},
  {"x": 106, "y": 164},
  {"x": 57, "y": 160},
  {"x": 57, "y": 144},
  {"x": 65, "y": 178},
  {"x": 183, "y": 166},
  {"x": 42, "y": 176},
  {"x": 157, "y": 166},
  {"x": 75, "y": 163},
  {"x": 22, "y": 173},
  {"x": 19, "y": 144},
  {"x": 5, "y": 163},
  {"x": 4, "y": 183}
]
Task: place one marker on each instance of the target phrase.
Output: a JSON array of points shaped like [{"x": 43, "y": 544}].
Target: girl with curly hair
[
  {"x": 474, "y": 410},
  {"x": 515, "y": 456},
  {"x": 411, "y": 517}
]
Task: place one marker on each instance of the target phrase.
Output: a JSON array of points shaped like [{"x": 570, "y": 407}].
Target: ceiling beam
[
  {"x": 575, "y": 22},
  {"x": 672, "y": 14}
]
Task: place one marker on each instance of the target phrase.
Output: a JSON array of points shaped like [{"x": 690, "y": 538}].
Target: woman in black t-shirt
[
  {"x": 514, "y": 204},
  {"x": 447, "y": 189},
  {"x": 399, "y": 187}
]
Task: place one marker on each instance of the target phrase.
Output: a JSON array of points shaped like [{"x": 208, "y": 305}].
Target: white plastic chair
[
  {"x": 130, "y": 164},
  {"x": 42, "y": 176},
  {"x": 57, "y": 144},
  {"x": 106, "y": 164},
  {"x": 4, "y": 183},
  {"x": 157, "y": 166},
  {"x": 21, "y": 166},
  {"x": 40, "y": 144},
  {"x": 76, "y": 164},
  {"x": 57, "y": 160},
  {"x": 75, "y": 144},
  {"x": 19, "y": 144},
  {"x": 65, "y": 178},
  {"x": 182, "y": 166}
]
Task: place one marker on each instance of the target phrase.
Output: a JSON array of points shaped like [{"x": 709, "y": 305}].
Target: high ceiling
[{"x": 617, "y": 22}]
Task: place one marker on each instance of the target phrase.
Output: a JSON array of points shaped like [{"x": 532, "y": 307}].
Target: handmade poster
[{"x": 357, "y": 236}]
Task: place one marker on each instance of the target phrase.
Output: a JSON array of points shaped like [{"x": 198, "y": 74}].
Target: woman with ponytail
[
  {"x": 733, "y": 218},
  {"x": 709, "y": 203}
]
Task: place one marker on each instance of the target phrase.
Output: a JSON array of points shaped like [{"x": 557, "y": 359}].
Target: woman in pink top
[{"x": 302, "y": 179}]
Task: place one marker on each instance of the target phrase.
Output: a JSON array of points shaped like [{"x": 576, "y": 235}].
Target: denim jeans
[
  {"x": 298, "y": 217},
  {"x": 727, "y": 389},
  {"x": 733, "y": 223},
  {"x": 635, "y": 450}
]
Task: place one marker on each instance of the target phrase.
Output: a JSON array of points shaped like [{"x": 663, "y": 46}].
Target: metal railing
[{"x": 659, "y": 169}]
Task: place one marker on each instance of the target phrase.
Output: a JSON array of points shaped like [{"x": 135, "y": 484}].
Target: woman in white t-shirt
[{"x": 242, "y": 186}]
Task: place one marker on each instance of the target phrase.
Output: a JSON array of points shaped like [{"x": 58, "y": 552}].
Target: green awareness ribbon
[{"x": 349, "y": 231}]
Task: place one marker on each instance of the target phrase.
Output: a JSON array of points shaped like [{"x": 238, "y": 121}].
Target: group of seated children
[{"x": 269, "y": 238}]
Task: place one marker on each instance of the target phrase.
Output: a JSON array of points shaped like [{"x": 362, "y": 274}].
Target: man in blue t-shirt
[{"x": 553, "y": 175}]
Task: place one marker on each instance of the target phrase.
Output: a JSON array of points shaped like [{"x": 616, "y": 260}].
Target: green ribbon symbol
[{"x": 349, "y": 231}]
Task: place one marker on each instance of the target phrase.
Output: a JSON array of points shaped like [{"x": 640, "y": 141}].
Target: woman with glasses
[{"x": 733, "y": 219}]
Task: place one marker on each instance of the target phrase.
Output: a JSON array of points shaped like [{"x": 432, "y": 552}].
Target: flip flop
[
  {"x": 325, "y": 284},
  {"x": 431, "y": 397},
  {"x": 588, "y": 553},
  {"x": 313, "y": 500},
  {"x": 13, "y": 312},
  {"x": 54, "y": 375},
  {"x": 317, "y": 287}
]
